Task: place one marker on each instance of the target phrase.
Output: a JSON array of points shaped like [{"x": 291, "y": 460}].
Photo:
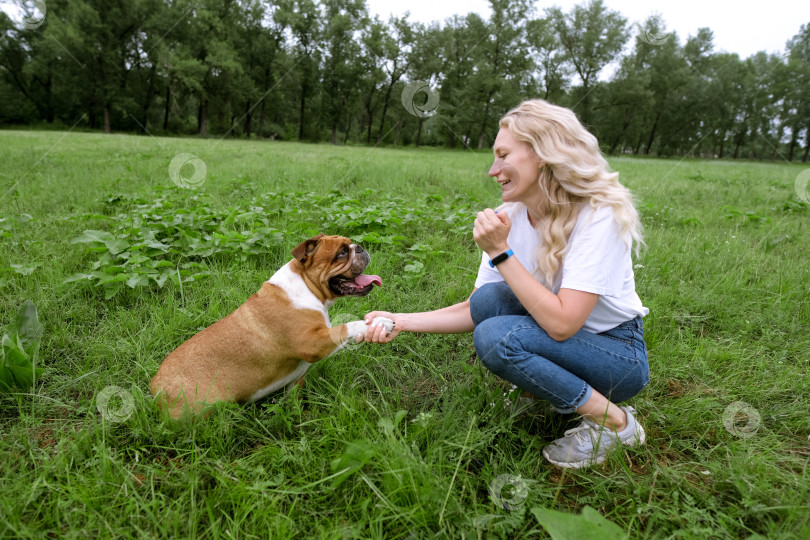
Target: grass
[{"x": 395, "y": 441}]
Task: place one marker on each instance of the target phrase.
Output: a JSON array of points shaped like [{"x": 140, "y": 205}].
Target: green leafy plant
[
  {"x": 589, "y": 525},
  {"x": 354, "y": 458},
  {"x": 164, "y": 240},
  {"x": 8, "y": 225},
  {"x": 19, "y": 349},
  {"x": 154, "y": 242},
  {"x": 733, "y": 212}
]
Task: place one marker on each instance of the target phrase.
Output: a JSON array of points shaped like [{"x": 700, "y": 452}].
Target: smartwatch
[{"x": 498, "y": 259}]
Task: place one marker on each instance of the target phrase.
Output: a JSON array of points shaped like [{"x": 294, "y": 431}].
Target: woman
[{"x": 554, "y": 310}]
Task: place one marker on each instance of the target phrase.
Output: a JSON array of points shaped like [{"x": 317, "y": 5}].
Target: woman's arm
[
  {"x": 455, "y": 319},
  {"x": 560, "y": 315}
]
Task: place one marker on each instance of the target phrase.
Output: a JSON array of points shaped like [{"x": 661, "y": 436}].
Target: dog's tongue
[{"x": 364, "y": 280}]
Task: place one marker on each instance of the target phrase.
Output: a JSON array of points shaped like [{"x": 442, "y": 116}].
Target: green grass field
[{"x": 403, "y": 440}]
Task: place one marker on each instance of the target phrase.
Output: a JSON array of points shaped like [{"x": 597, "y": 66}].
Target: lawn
[{"x": 414, "y": 439}]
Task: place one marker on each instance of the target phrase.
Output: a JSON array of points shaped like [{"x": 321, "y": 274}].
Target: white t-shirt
[{"x": 597, "y": 261}]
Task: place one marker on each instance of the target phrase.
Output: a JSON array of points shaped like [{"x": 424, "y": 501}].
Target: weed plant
[{"x": 404, "y": 440}]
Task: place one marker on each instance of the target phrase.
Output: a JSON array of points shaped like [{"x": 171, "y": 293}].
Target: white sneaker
[{"x": 589, "y": 443}]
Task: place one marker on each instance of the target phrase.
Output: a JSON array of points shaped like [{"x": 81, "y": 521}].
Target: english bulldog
[{"x": 269, "y": 342}]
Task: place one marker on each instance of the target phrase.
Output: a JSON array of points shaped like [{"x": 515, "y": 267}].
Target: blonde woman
[{"x": 554, "y": 310}]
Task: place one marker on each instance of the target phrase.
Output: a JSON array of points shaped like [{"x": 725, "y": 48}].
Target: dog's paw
[
  {"x": 387, "y": 323},
  {"x": 355, "y": 330}
]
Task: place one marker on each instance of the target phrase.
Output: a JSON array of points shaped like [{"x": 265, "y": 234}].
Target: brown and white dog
[{"x": 269, "y": 341}]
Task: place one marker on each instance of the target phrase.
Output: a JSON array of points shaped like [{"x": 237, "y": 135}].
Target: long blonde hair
[{"x": 573, "y": 172}]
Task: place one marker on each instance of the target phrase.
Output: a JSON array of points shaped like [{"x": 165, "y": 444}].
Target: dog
[{"x": 269, "y": 342}]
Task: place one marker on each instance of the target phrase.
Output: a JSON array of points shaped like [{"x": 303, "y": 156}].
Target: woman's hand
[
  {"x": 376, "y": 334},
  {"x": 490, "y": 231}
]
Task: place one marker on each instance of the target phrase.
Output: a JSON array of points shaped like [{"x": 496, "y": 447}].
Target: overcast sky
[{"x": 738, "y": 27}]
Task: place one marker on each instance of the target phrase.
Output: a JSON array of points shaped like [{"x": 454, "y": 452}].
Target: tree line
[{"x": 327, "y": 71}]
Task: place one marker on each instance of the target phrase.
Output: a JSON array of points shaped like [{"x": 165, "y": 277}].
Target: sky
[{"x": 738, "y": 28}]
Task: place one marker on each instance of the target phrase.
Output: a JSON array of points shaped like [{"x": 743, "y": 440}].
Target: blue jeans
[{"x": 512, "y": 345}]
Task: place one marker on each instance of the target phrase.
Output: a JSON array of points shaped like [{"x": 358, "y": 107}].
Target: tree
[
  {"x": 371, "y": 62},
  {"x": 460, "y": 39},
  {"x": 303, "y": 18},
  {"x": 255, "y": 47},
  {"x": 426, "y": 65},
  {"x": 396, "y": 46},
  {"x": 341, "y": 69},
  {"x": 27, "y": 64},
  {"x": 502, "y": 63},
  {"x": 797, "y": 101},
  {"x": 549, "y": 57},
  {"x": 103, "y": 43},
  {"x": 592, "y": 36},
  {"x": 625, "y": 105},
  {"x": 669, "y": 76},
  {"x": 315, "y": 68}
]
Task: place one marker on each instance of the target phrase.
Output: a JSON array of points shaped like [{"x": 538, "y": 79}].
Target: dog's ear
[{"x": 307, "y": 248}]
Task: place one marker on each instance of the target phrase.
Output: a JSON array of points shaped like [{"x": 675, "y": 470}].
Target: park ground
[{"x": 128, "y": 245}]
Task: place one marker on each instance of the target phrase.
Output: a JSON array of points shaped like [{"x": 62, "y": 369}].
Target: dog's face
[{"x": 336, "y": 265}]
